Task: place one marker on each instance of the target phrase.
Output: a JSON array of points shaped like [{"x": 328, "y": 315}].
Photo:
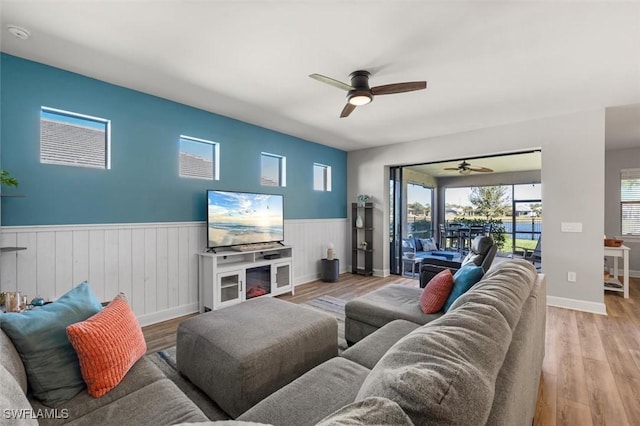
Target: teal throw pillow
[
  {"x": 40, "y": 336},
  {"x": 463, "y": 280}
]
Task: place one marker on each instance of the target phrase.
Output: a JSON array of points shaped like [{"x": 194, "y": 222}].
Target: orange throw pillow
[
  {"x": 436, "y": 292},
  {"x": 107, "y": 344}
]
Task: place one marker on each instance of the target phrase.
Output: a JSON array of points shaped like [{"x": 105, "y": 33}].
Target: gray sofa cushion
[
  {"x": 368, "y": 351},
  {"x": 160, "y": 403},
  {"x": 370, "y": 411},
  {"x": 311, "y": 397},
  {"x": 10, "y": 359},
  {"x": 444, "y": 373},
  {"x": 12, "y": 398},
  {"x": 506, "y": 287},
  {"x": 389, "y": 303},
  {"x": 143, "y": 373}
]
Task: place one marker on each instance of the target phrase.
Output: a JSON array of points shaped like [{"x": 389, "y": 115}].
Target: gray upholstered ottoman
[{"x": 241, "y": 354}]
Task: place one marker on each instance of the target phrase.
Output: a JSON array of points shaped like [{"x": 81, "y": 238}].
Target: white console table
[{"x": 614, "y": 283}]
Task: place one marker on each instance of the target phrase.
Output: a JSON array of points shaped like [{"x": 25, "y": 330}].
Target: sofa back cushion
[
  {"x": 505, "y": 286},
  {"x": 10, "y": 359},
  {"x": 371, "y": 411},
  {"x": 444, "y": 372}
]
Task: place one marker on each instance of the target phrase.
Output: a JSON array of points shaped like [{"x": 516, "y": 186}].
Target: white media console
[{"x": 228, "y": 276}]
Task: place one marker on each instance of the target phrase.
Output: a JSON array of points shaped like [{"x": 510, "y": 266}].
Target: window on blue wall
[
  {"x": 74, "y": 139},
  {"x": 274, "y": 170},
  {"x": 321, "y": 177},
  {"x": 199, "y": 158}
]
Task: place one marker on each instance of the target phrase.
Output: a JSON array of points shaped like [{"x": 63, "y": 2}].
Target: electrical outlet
[{"x": 571, "y": 277}]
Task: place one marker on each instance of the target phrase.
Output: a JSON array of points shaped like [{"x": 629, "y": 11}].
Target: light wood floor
[{"x": 591, "y": 370}]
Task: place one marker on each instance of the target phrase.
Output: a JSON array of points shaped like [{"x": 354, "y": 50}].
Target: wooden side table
[{"x": 330, "y": 270}]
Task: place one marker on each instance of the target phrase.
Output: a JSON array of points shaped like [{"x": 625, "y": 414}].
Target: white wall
[
  {"x": 616, "y": 160},
  {"x": 155, "y": 264},
  {"x": 572, "y": 191}
]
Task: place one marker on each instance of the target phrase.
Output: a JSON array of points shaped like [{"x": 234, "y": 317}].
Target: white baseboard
[
  {"x": 634, "y": 273},
  {"x": 577, "y": 305},
  {"x": 167, "y": 314}
]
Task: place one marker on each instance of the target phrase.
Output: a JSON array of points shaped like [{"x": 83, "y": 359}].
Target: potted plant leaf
[{"x": 7, "y": 180}]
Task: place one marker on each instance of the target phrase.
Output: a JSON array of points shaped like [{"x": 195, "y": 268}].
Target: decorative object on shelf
[
  {"x": 359, "y": 222},
  {"x": 363, "y": 199},
  {"x": 330, "y": 251},
  {"x": 37, "y": 301},
  {"x": 7, "y": 180},
  {"x": 363, "y": 245},
  {"x": 13, "y": 301}
]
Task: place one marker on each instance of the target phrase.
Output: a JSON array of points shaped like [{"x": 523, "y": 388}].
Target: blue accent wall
[{"x": 143, "y": 183}]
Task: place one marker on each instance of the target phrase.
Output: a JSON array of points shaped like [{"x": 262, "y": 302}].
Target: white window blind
[
  {"x": 74, "y": 139},
  {"x": 630, "y": 201},
  {"x": 199, "y": 158}
]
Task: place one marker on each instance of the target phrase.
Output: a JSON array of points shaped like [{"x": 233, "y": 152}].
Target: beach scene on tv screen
[{"x": 241, "y": 218}]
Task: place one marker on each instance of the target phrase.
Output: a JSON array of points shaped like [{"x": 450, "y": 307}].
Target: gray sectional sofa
[{"x": 478, "y": 364}]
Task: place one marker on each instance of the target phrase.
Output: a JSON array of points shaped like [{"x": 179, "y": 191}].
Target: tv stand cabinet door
[
  {"x": 229, "y": 288},
  {"x": 281, "y": 278}
]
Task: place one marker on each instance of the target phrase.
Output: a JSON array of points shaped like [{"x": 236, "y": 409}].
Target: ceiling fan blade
[
  {"x": 348, "y": 109},
  {"x": 389, "y": 89},
  {"x": 480, "y": 169},
  {"x": 331, "y": 81},
  {"x": 451, "y": 168}
]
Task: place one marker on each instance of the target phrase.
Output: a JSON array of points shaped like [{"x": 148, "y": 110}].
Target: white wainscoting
[{"x": 153, "y": 263}]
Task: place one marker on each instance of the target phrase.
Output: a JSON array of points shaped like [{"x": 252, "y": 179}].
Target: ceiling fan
[
  {"x": 465, "y": 168},
  {"x": 359, "y": 93}
]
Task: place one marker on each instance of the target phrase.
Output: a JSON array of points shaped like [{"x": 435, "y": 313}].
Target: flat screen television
[{"x": 236, "y": 218}]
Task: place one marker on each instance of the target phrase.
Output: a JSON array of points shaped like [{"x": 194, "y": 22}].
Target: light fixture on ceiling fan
[{"x": 359, "y": 93}]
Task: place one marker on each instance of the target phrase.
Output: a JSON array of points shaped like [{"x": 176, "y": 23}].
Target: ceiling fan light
[
  {"x": 465, "y": 172},
  {"x": 360, "y": 99}
]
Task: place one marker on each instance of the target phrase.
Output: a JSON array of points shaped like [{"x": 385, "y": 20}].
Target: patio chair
[
  {"x": 534, "y": 256},
  {"x": 450, "y": 234}
]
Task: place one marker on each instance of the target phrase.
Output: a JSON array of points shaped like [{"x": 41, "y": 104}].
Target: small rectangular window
[
  {"x": 321, "y": 177},
  {"x": 199, "y": 158},
  {"x": 630, "y": 201},
  {"x": 74, "y": 139},
  {"x": 274, "y": 170}
]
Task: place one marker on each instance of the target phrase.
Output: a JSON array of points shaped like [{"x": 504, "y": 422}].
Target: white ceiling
[
  {"x": 486, "y": 63},
  {"x": 500, "y": 164}
]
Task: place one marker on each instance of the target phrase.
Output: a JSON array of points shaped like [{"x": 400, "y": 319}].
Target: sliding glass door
[
  {"x": 395, "y": 220},
  {"x": 410, "y": 214}
]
